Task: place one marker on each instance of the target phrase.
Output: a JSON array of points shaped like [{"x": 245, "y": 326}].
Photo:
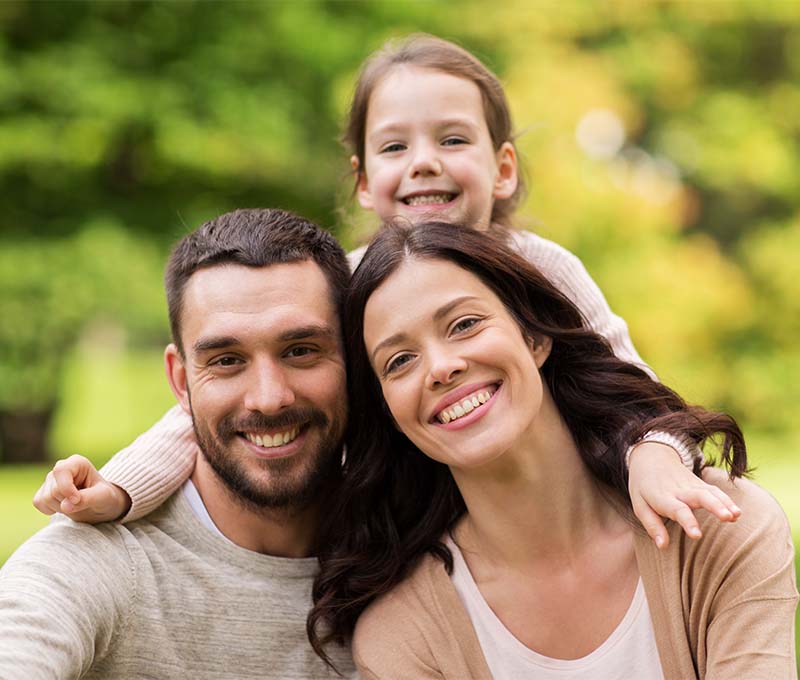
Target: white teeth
[
  {"x": 268, "y": 442},
  {"x": 464, "y": 406},
  {"x": 431, "y": 199}
]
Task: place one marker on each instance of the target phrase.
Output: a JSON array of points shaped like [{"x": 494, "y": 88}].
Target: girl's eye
[
  {"x": 397, "y": 363},
  {"x": 464, "y": 325},
  {"x": 391, "y": 148},
  {"x": 453, "y": 141}
]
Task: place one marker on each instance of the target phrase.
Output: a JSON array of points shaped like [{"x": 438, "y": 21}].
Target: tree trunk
[{"x": 23, "y": 435}]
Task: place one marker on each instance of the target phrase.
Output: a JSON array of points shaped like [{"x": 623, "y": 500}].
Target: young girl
[{"x": 431, "y": 137}]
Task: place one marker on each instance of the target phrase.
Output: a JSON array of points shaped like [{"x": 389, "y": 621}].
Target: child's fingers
[
  {"x": 64, "y": 474},
  {"x": 684, "y": 516},
  {"x": 722, "y": 507},
  {"x": 734, "y": 509},
  {"x": 44, "y": 500},
  {"x": 652, "y": 523}
]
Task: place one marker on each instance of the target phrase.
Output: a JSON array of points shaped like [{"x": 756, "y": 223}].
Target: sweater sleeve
[
  {"x": 60, "y": 607},
  {"x": 565, "y": 271},
  {"x": 155, "y": 464}
]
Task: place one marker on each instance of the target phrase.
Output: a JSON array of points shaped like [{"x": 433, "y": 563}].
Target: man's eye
[
  {"x": 298, "y": 352},
  {"x": 226, "y": 361},
  {"x": 397, "y": 363},
  {"x": 391, "y": 148}
]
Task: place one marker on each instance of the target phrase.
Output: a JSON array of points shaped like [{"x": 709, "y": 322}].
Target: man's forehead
[{"x": 232, "y": 295}]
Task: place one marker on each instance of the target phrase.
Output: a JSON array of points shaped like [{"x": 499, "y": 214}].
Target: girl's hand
[
  {"x": 75, "y": 488},
  {"x": 660, "y": 485}
]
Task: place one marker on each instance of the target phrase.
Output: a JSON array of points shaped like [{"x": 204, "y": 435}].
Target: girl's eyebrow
[
  {"x": 400, "y": 126},
  {"x": 443, "y": 311}
]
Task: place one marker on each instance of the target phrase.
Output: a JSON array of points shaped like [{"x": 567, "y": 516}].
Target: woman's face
[{"x": 459, "y": 378}]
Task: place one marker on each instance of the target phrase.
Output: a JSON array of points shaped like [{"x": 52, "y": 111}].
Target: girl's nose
[{"x": 425, "y": 163}]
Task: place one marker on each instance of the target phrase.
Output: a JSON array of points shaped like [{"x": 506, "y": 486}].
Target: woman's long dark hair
[{"x": 395, "y": 503}]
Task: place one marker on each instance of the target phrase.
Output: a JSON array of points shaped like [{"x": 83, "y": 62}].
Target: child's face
[{"x": 428, "y": 152}]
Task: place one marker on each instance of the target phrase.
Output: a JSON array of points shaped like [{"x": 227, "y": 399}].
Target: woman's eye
[
  {"x": 397, "y": 363},
  {"x": 465, "y": 324},
  {"x": 391, "y": 148}
]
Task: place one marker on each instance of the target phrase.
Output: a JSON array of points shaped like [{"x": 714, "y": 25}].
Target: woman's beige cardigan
[{"x": 722, "y": 607}]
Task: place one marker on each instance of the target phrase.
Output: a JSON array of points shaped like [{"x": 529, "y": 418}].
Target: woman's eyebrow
[{"x": 443, "y": 311}]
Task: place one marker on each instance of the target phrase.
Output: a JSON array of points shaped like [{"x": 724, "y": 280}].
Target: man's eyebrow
[
  {"x": 299, "y": 333},
  {"x": 309, "y": 331},
  {"x": 443, "y": 311},
  {"x": 219, "y": 342}
]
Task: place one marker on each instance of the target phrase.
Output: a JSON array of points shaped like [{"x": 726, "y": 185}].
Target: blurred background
[{"x": 660, "y": 141}]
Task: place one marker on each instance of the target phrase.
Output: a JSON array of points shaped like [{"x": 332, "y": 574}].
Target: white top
[{"x": 629, "y": 652}]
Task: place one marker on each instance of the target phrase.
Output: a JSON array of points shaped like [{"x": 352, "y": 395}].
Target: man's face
[{"x": 264, "y": 379}]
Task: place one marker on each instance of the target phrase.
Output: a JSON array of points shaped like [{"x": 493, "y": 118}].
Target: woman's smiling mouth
[{"x": 465, "y": 405}]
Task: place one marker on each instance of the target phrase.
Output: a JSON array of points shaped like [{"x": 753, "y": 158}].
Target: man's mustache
[{"x": 231, "y": 425}]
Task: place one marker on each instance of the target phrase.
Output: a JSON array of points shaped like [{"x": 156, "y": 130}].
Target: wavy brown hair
[{"x": 395, "y": 503}]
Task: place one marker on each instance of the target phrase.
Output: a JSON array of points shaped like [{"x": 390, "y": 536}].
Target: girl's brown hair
[{"x": 428, "y": 51}]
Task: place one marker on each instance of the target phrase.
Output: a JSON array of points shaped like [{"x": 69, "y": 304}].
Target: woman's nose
[{"x": 444, "y": 368}]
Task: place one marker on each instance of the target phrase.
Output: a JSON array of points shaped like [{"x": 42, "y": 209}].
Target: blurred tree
[{"x": 51, "y": 291}]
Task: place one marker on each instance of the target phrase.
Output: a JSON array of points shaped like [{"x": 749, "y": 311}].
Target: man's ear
[
  {"x": 505, "y": 184},
  {"x": 540, "y": 348},
  {"x": 362, "y": 186},
  {"x": 176, "y": 375}
]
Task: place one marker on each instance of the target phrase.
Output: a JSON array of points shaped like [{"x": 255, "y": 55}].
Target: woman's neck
[{"x": 537, "y": 502}]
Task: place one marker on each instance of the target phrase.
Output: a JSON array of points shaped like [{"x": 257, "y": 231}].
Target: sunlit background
[{"x": 661, "y": 142}]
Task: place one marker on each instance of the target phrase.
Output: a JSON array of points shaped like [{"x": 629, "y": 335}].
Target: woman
[{"x": 484, "y": 522}]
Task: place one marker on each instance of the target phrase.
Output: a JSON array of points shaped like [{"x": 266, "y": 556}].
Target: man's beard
[{"x": 287, "y": 484}]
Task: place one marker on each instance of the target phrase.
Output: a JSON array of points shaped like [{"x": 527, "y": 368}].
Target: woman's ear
[
  {"x": 362, "y": 186},
  {"x": 505, "y": 183},
  {"x": 540, "y": 348}
]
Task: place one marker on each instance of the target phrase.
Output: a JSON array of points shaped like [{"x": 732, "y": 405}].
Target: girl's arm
[
  {"x": 664, "y": 485},
  {"x": 133, "y": 483}
]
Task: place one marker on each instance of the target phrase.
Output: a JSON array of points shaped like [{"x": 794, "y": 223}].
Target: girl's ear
[
  {"x": 362, "y": 186},
  {"x": 505, "y": 183},
  {"x": 540, "y": 348}
]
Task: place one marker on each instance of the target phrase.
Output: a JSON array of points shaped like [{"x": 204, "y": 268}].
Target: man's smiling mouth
[{"x": 267, "y": 441}]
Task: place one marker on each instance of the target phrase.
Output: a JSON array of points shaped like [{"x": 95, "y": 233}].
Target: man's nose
[{"x": 269, "y": 389}]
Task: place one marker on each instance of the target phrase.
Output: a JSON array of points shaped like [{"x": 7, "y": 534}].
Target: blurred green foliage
[{"x": 660, "y": 142}]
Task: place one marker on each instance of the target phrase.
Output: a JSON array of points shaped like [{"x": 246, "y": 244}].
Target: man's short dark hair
[{"x": 253, "y": 238}]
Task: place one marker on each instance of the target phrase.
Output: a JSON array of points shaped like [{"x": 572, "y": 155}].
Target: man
[{"x": 216, "y": 583}]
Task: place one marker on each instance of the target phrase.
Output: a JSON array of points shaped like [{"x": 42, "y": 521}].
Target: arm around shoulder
[{"x": 155, "y": 465}]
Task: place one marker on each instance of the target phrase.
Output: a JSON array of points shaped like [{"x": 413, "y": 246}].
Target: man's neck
[{"x": 277, "y": 532}]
